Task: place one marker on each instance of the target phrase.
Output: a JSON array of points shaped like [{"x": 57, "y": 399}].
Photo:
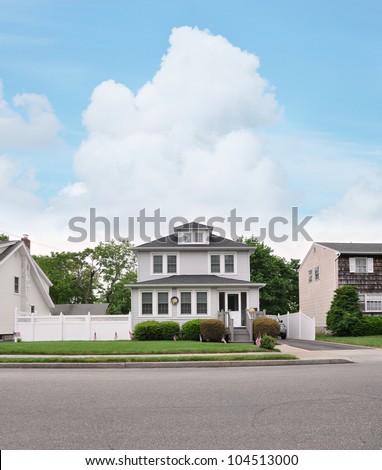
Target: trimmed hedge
[
  {"x": 268, "y": 342},
  {"x": 266, "y": 326},
  {"x": 147, "y": 331},
  {"x": 168, "y": 329},
  {"x": 212, "y": 330},
  {"x": 152, "y": 330},
  {"x": 191, "y": 330},
  {"x": 368, "y": 326}
]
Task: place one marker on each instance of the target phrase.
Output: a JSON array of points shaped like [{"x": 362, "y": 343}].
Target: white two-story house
[
  {"x": 23, "y": 285},
  {"x": 193, "y": 273}
]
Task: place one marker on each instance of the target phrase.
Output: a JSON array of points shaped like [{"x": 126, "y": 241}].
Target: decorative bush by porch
[
  {"x": 168, "y": 329},
  {"x": 266, "y": 326},
  {"x": 191, "y": 330},
  {"x": 152, "y": 330},
  {"x": 212, "y": 330}
]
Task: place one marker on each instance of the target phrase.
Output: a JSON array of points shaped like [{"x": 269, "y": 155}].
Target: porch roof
[{"x": 196, "y": 279}]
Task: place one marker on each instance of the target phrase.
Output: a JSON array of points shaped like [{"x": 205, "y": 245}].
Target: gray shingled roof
[
  {"x": 79, "y": 309},
  {"x": 216, "y": 242},
  {"x": 8, "y": 250},
  {"x": 193, "y": 279},
  {"x": 354, "y": 248}
]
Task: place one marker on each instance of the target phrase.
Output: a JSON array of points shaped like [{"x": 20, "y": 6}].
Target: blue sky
[{"x": 322, "y": 60}]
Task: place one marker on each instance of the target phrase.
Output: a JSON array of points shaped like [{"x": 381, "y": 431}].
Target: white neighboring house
[
  {"x": 190, "y": 274},
  {"x": 23, "y": 285}
]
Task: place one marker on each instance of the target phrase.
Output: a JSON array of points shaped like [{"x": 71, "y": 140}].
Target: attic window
[{"x": 197, "y": 237}]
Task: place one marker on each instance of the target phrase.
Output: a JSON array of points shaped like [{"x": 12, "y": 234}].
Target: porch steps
[{"x": 241, "y": 335}]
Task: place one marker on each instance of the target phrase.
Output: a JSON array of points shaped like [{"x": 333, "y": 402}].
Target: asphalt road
[
  {"x": 290, "y": 407},
  {"x": 318, "y": 345}
]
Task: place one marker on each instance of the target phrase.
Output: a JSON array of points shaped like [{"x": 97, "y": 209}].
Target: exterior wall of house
[
  {"x": 316, "y": 295},
  {"x": 174, "y": 310},
  {"x": 10, "y": 268},
  {"x": 193, "y": 262},
  {"x": 28, "y": 295},
  {"x": 366, "y": 283}
]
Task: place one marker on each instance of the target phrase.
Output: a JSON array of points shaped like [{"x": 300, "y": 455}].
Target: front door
[{"x": 233, "y": 305}]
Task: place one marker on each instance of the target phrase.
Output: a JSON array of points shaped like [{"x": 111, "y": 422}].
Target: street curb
[{"x": 168, "y": 365}]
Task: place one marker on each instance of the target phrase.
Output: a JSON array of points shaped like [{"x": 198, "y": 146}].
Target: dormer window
[{"x": 199, "y": 237}]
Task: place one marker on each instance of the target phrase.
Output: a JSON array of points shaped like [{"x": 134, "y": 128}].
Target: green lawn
[
  {"x": 372, "y": 341},
  {"x": 124, "y": 347},
  {"x": 237, "y": 357}
]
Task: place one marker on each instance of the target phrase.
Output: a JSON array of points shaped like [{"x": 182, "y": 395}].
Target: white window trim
[
  {"x": 319, "y": 274},
  {"x": 155, "y": 313},
  {"x": 371, "y": 298},
  {"x": 222, "y": 263},
  {"x": 205, "y": 238},
  {"x": 193, "y": 313},
  {"x": 310, "y": 276},
  {"x": 164, "y": 263},
  {"x": 369, "y": 265}
]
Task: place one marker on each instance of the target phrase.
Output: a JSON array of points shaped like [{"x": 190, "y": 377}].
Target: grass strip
[
  {"x": 123, "y": 347},
  {"x": 242, "y": 357},
  {"x": 371, "y": 341}
]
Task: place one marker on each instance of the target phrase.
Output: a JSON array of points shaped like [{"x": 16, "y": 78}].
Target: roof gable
[{"x": 353, "y": 248}]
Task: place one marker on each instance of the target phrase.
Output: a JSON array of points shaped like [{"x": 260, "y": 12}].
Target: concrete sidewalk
[{"x": 362, "y": 355}]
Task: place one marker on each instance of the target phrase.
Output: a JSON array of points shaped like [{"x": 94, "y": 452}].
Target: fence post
[
  {"x": 62, "y": 325},
  {"x": 88, "y": 320}
]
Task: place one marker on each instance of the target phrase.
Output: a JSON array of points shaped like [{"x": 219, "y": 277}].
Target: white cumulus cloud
[{"x": 31, "y": 124}]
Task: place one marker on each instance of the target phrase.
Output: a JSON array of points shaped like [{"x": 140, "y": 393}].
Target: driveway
[{"x": 318, "y": 345}]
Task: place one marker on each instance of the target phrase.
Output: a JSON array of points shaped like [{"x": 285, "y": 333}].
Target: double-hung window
[
  {"x": 215, "y": 263},
  {"x": 229, "y": 263},
  {"x": 162, "y": 303},
  {"x": 147, "y": 303},
  {"x": 171, "y": 263},
  {"x": 164, "y": 264},
  {"x": 158, "y": 264},
  {"x": 222, "y": 263},
  {"x": 201, "y": 303},
  {"x": 185, "y": 303}
]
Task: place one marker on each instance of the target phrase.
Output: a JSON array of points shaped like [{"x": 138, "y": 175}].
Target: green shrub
[
  {"x": 266, "y": 326},
  {"x": 191, "y": 330},
  {"x": 147, "y": 331},
  {"x": 212, "y": 330},
  {"x": 168, "y": 329},
  {"x": 268, "y": 342},
  {"x": 152, "y": 330},
  {"x": 368, "y": 326},
  {"x": 344, "y": 315}
]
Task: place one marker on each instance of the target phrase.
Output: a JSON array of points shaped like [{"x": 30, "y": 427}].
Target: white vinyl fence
[
  {"x": 34, "y": 327},
  {"x": 300, "y": 326}
]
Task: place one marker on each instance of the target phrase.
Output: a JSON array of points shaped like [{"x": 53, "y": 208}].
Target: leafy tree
[
  {"x": 280, "y": 295},
  {"x": 92, "y": 275},
  {"x": 3, "y": 237},
  {"x": 345, "y": 313},
  {"x": 73, "y": 276},
  {"x": 116, "y": 265}
]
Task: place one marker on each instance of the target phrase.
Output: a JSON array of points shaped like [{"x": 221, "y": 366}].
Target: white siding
[
  {"x": 194, "y": 262},
  {"x": 8, "y": 299},
  {"x": 316, "y": 296}
]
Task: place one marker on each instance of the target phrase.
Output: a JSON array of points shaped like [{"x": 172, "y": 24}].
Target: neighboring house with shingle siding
[
  {"x": 23, "y": 285},
  {"x": 328, "y": 266},
  {"x": 190, "y": 274}
]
